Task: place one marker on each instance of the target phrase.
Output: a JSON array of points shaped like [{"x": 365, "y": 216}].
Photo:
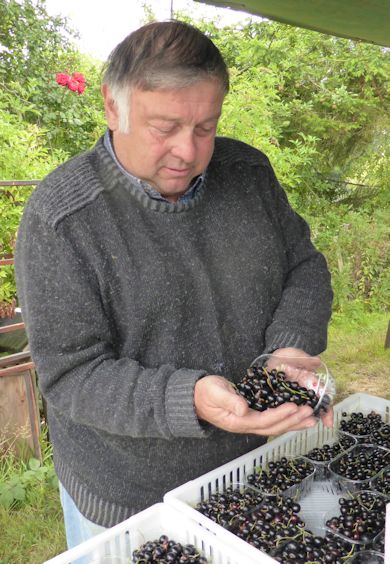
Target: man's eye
[
  {"x": 163, "y": 130},
  {"x": 204, "y": 130}
]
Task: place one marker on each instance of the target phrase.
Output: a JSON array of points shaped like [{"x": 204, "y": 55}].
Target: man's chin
[{"x": 172, "y": 192}]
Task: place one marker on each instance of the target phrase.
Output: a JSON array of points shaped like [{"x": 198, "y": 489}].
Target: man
[{"x": 151, "y": 271}]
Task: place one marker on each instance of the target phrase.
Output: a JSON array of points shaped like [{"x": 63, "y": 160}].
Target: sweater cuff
[
  {"x": 179, "y": 404},
  {"x": 285, "y": 339}
]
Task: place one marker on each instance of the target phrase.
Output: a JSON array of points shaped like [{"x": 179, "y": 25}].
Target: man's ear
[{"x": 110, "y": 108}]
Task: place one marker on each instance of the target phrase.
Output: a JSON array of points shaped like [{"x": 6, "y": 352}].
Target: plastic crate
[
  {"x": 116, "y": 545},
  {"x": 314, "y": 505}
]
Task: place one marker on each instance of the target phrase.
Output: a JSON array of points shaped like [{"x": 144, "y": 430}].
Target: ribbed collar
[{"x": 113, "y": 177}]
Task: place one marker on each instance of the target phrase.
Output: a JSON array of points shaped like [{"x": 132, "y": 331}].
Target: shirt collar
[{"x": 145, "y": 186}]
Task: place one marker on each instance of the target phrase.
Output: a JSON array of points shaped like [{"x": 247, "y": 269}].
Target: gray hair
[{"x": 161, "y": 55}]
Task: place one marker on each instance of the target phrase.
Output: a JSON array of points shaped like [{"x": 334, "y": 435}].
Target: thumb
[{"x": 235, "y": 403}]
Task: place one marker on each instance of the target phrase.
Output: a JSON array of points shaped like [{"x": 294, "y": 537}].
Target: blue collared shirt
[{"x": 147, "y": 188}]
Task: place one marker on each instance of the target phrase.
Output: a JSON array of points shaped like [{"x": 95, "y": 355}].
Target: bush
[{"x": 356, "y": 245}]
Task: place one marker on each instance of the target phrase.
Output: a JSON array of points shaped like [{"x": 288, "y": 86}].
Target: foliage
[
  {"x": 32, "y": 41},
  {"x": 356, "y": 244},
  {"x": 316, "y": 105},
  {"x": 35, "y": 47},
  {"x": 19, "y": 480},
  {"x": 295, "y": 89},
  {"x": 31, "y": 520},
  {"x": 23, "y": 156},
  {"x": 16, "y": 489},
  {"x": 41, "y": 123},
  {"x": 356, "y": 353}
]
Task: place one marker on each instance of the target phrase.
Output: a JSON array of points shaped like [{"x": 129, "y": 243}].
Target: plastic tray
[
  {"x": 314, "y": 505},
  {"x": 115, "y": 546}
]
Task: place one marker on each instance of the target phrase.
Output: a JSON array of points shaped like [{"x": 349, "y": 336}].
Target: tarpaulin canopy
[{"x": 367, "y": 20}]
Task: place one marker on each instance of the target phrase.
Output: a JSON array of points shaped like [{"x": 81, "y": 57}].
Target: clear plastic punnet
[
  {"x": 322, "y": 456},
  {"x": 368, "y": 557},
  {"x": 366, "y": 460},
  {"x": 315, "y": 377}
]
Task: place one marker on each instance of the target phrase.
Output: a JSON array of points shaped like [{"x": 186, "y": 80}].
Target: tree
[
  {"x": 35, "y": 47},
  {"x": 314, "y": 101}
]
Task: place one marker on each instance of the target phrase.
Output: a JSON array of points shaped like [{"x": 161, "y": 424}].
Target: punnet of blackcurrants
[
  {"x": 224, "y": 507},
  {"x": 288, "y": 476},
  {"x": 355, "y": 468},
  {"x": 264, "y": 387},
  {"x": 165, "y": 550},
  {"x": 315, "y": 549},
  {"x": 361, "y": 426},
  {"x": 321, "y": 456},
  {"x": 368, "y": 557},
  {"x": 360, "y": 518},
  {"x": 381, "y": 436},
  {"x": 381, "y": 483}
]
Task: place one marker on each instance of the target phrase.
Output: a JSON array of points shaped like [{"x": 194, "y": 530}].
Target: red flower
[
  {"x": 81, "y": 87},
  {"x": 79, "y": 77},
  {"x": 73, "y": 84},
  {"x": 62, "y": 79}
]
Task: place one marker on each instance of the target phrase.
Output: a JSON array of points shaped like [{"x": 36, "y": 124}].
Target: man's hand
[
  {"x": 299, "y": 367},
  {"x": 218, "y": 403}
]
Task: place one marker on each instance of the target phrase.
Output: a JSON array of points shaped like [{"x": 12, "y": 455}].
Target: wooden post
[
  {"x": 387, "y": 340},
  {"x": 19, "y": 412}
]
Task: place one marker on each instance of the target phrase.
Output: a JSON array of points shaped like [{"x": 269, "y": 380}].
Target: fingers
[
  {"x": 215, "y": 399},
  {"x": 287, "y": 417},
  {"x": 328, "y": 418},
  {"x": 232, "y": 401},
  {"x": 295, "y": 357}
]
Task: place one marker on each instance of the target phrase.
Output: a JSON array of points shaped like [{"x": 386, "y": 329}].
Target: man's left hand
[{"x": 299, "y": 367}]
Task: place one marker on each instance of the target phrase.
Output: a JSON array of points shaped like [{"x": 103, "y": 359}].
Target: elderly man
[{"x": 151, "y": 271}]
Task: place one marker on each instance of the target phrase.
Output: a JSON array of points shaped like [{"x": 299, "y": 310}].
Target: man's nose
[{"x": 184, "y": 146}]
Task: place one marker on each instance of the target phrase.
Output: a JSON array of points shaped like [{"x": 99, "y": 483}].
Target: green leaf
[{"x": 34, "y": 463}]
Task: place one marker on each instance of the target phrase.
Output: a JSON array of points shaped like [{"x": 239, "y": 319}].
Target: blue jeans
[{"x": 78, "y": 529}]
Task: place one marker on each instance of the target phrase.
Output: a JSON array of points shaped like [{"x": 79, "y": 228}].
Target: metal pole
[{"x": 171, "y": 9}]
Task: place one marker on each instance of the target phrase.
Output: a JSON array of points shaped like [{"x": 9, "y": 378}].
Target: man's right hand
[{"x": 217, "y": 402}]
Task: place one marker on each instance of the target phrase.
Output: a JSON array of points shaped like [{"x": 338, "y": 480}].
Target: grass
[
  {"x": 31, "y": 524},
  {"x": 357, "y": 357},
  {"x": 33, "y": 533},
  {"x": 32, "y": 530}
]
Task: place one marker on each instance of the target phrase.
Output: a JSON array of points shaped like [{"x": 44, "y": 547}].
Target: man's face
[{"x": 171, "y": 134}]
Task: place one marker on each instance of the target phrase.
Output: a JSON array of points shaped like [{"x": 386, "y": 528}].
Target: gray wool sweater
[{"x": 128, "y": 301}]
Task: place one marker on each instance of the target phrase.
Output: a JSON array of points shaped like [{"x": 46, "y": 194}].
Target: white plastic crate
[
  {"x": 314, "y": 505},
  {"x": 116, "y": 545}
]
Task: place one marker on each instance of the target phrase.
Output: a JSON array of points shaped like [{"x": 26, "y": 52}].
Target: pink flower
[
  {"x": 81, "y": 87},
  {"x": 62, "y": 79},
  {"x": 73, "y": 84},
  {"x": 79, "y": 77}
]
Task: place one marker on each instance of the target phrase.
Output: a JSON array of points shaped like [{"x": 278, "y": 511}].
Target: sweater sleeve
[
  {"x": 78, "y": 371},
  {"x": 303, "y": 313}
]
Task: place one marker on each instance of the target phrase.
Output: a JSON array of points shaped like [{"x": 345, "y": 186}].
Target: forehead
[{"x": 203, "y": 99}]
